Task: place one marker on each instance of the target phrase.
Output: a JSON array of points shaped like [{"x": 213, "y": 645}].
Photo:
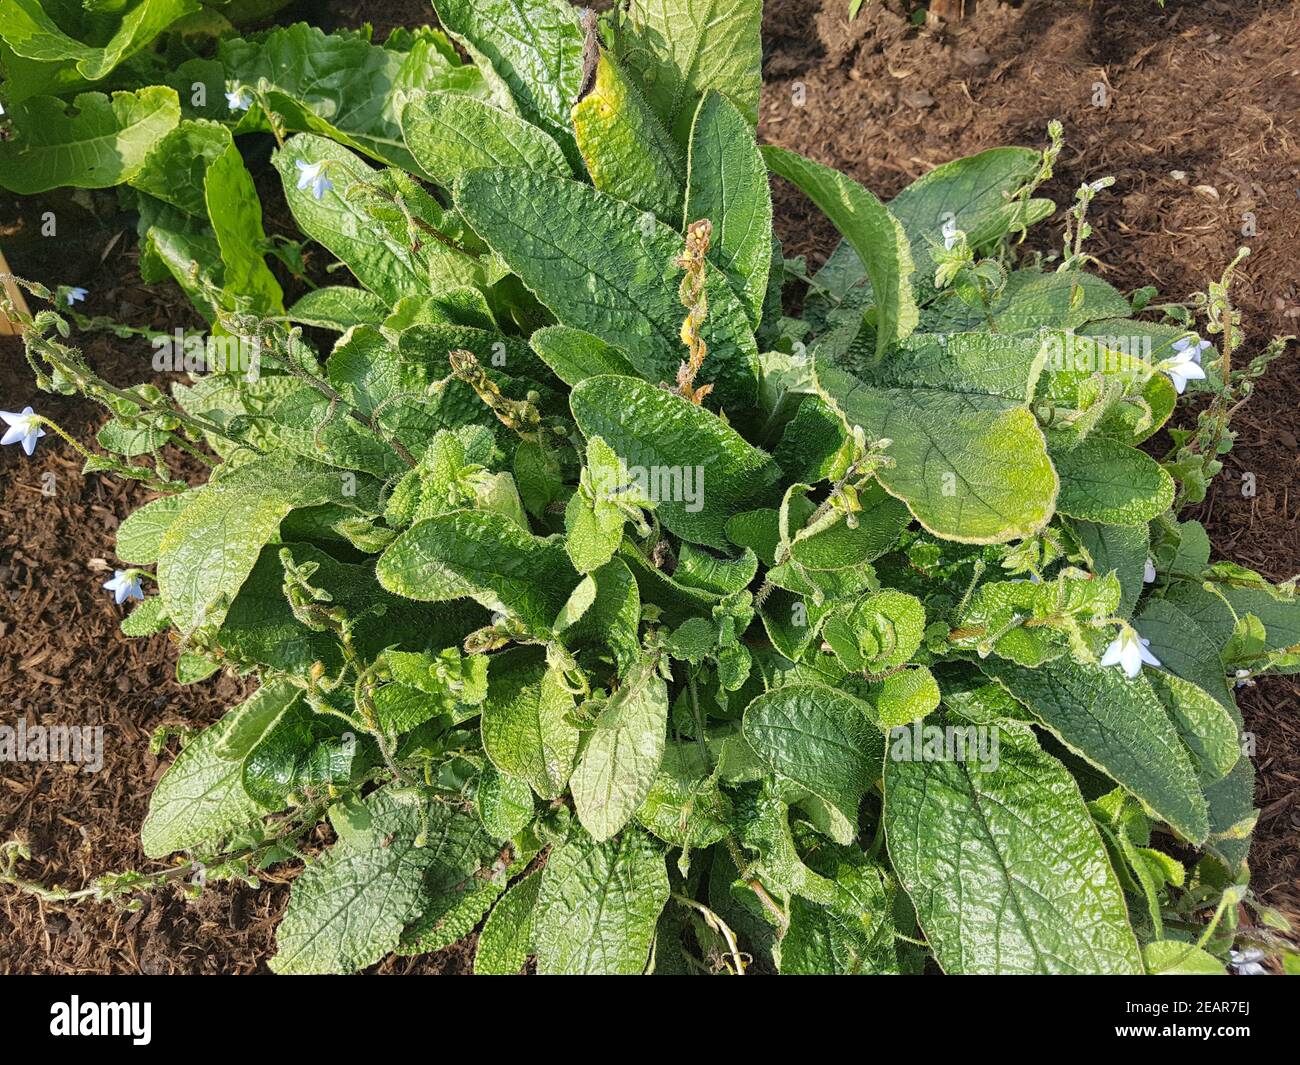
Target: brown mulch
[{"x": 1209, "y": 89}]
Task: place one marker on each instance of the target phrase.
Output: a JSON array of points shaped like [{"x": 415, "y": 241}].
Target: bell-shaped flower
[
  {"x": 125, "y": 585},
  {"x": 312, "y": 175},
  {"x": 1129, "y": 651},
  {"x": 24, "y": 428},
  {"x": 1183, "y": 366},
  {"x": 951, "y": 234}
]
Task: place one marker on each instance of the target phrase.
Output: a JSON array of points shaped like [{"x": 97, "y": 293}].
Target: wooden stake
[
  {"x": 8, "y": 328},
  {"x": 950, "y": 10}
]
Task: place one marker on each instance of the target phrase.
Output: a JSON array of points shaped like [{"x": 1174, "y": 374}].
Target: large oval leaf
[
  {"x": 822, "y": 741},
  {"x": 526, "y": 731},
  {"x": 679, "y": 49},
  {"x": 1116, "y": 723},
  {"x": 604, "y": 266},
  {"x": 485, "y": 556},
  {"x": 1006, "y": 869},
  {"x": 598, "y": 906},
  {"x": 969, "y": 459},
  {"x": 622, "y": 754},
  {"x": 1107, "y": 481},
  {"x": 534, "y": 46},
  {"x": 698, "y": 470},
  {"x": 99, "y": 143},
  {"x": 450, "y": 133}
]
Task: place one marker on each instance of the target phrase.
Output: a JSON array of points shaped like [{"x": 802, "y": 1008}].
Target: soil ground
[{"x": 1201, "y": 128}]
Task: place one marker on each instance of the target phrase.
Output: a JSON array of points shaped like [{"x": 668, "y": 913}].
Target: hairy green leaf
[
  {"x": 727, "y": 184},
  {"x": 450, "y": 133},
  {"x": 621, "y": 754},
  {"x": 873, "y": 232},
  {"x": 680, "y": 49},
  {"x": 598, "y": 904},
  {"x": 822, "y": 741},
  {"x": 526, "y": 731},
  {"x": 602, "y": 266},
  {"x": 102, "y": 142},
  {"x": 1118, "y": 724},
  {"x": 1005, "y": 868},
  {"x": 699, "y": 471}
]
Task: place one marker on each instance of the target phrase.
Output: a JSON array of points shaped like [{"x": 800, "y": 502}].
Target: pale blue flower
[
  {"x": 75, "y": 295},
  {"x": 239, "y": 100},
  {"x": 313, "y": 175},
  {"x": 125, "y": 585},
  {"x": 1195, "y": 344},
  {"x": 24, "y": 428},
  {"x": 1129, "y": 651},
  {"x": 1149, "y": 572},
  {"x": 951, "y": 234},
  {"x": 1183, "y": 367}
]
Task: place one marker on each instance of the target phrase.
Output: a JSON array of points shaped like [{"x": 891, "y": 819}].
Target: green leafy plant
[{"x": 593, "y": 599}]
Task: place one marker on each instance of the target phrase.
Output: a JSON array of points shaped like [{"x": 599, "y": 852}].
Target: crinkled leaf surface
[
  {"x": 679, "y": 49},
  {"x": 210, "y": 549},
  {"x": 1204, "y": 724},
  {"x": 104, "y": 143},
  {"x": 1121, "y": 549},
  {"x": 450, "y": 133},
  {"x": 605, "y": 267},
  {"x": 201, "y": 798},
  {"x": 1184, "y": 647},
  {"x": 1232, "y": 814},
  {"x": 526, "y": 731},
  {"x": 972, "y": 191},
  {"x": 176, "y": 169},
  {"x": 349, "y": 907},
  {"x": 821, "y": 740},
  {"x": 621, "y": 754},
  {"x": 855, "y": 936},
  {"x": 139, "y": 537},
  {"x": 598, "y": 905},
  {"x": 339, "y": 308},
  {"x": 1106, "y": 481},
  {"x": 507, "y": 937},
  {"x": 381, "y": 258},
  {"x": 1118, "y": 724},
  {"x": 535, "y": 47},
  {"x": 628, "y": 152},
  {"x": 969, "y": 458},
  {"x": 575, "y": 355},
  {"x": 669, "y": 441},
  {"x": 483, "y": 555},
  {"x": 1004, "y": 866},
  {"x": 727, "y": 184},
  {"x": 505, "y": 803},
  {"x": 611, "y": 614}
]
